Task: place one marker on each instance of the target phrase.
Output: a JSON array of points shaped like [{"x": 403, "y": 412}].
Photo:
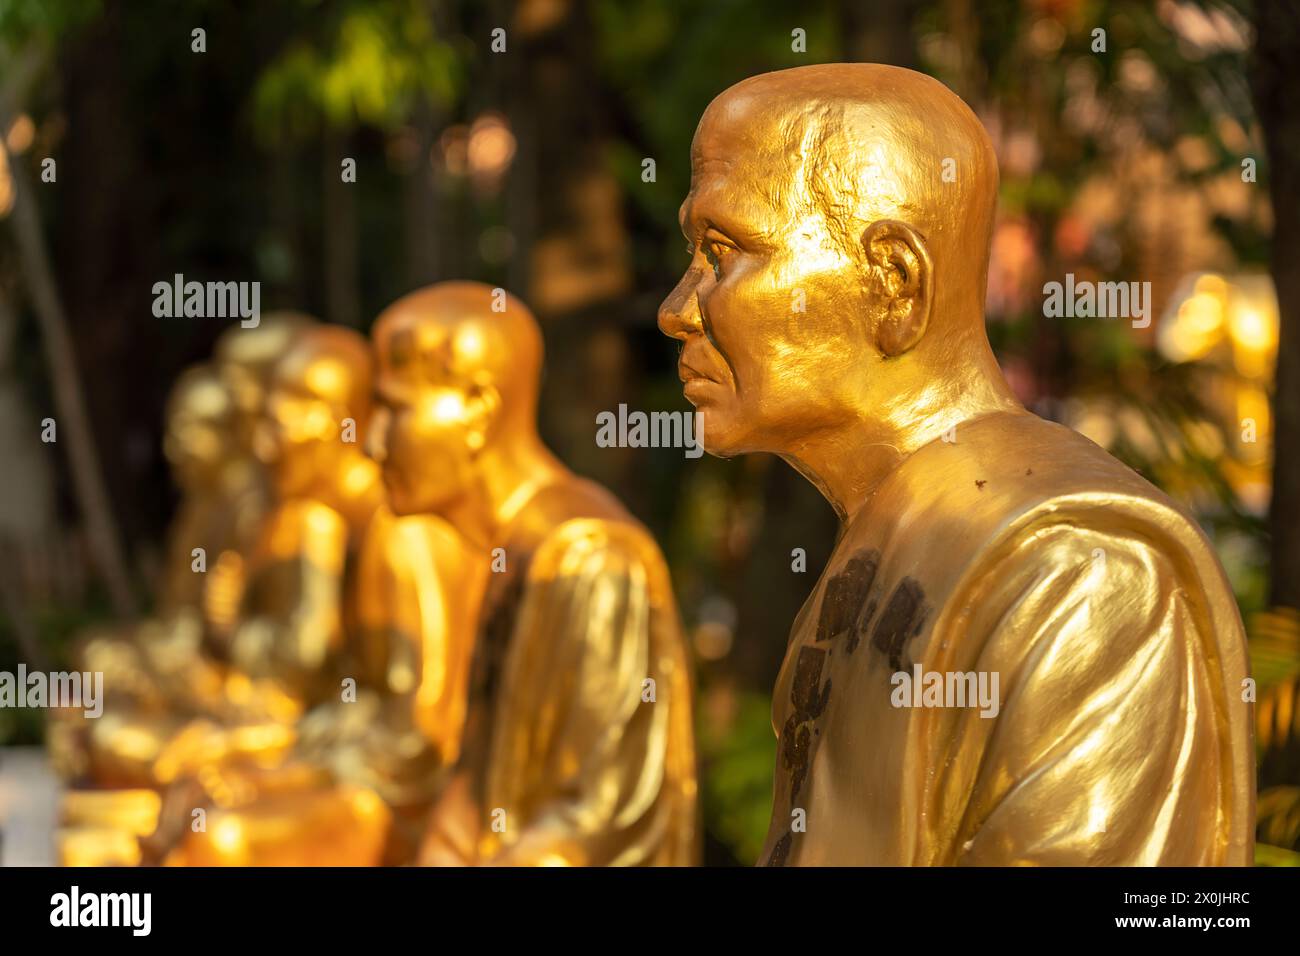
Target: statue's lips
[{"x": 689, "y": 374}]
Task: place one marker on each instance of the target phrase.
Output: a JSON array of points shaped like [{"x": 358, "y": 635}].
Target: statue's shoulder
[
  {"x": 579, "y": 526},
  {"x": 302, "y": 523},
  {"x": 390, "y": 528},
  {"x": 1017, "y": 492},
  {"x": 1003, "y": 479},
  {"x": 396, "y": 543},
  {"x": 1003, "y": 465}
]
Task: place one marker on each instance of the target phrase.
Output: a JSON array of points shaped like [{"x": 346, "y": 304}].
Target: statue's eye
[{"x": 716, "y": 250}]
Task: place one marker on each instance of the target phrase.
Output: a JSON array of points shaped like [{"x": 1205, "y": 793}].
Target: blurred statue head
[
  {"x": 459, "y": 367},
  {"x": 838, "y": 223},
  {"x": 245, "y": 358},
  {"x": 199, "y": 428},
  {"x": 317, "y": 409}
]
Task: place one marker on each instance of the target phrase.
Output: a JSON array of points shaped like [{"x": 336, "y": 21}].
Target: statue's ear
[{"x": 905, "y": 276}]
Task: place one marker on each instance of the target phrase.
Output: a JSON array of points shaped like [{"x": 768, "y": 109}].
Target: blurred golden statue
[
  {"x": 245, "y": 359},
  {"x": 348, "y": 611},
  {"x": 141, "y": 662},
  {"x": 161, "y": 673},
  {"x": 328, "y": 600},
  {"x": 578, "y": 746},
  {"x": 832, "y": 314}
]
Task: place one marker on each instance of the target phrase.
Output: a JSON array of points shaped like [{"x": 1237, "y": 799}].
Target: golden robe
[
  {"x": 1022, "y": 549},
  {"x": 365, "y": 765},
  {"x": 580, "y": 748}
]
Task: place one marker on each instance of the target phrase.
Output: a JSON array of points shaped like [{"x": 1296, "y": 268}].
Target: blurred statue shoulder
[
  {"x": 579, "y": 517},
  {"x": 303, "y": 527},
  {"x": 390, "y": 540}
]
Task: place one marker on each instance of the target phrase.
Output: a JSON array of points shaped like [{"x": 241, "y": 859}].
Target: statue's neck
[
  {"x": 508, "y": 475},
  {"x": 848, "y": 463}
]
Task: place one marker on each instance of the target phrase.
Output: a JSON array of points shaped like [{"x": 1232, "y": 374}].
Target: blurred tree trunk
[
  {"x": 72, "y": 423},
  {"x": 342, "y": 277},
  {"x": 1276, "y": 83},
  {"x": 420, "y": 202},
  {"x": 26, "y": 509},
  {"x": 285, "y": 208},
  {"x": 27, "y": 479},
  {"x": 879, "y": 32}
]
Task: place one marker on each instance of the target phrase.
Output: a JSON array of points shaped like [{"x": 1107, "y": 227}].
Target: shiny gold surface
[
  {"x": 419, "y": 587},
  {"x": 135, "y": 811},
  {"x": 161, "y": 670},
  {"x": 96, "y": 846},
  {"x": 168, "y": 688},
  {"x": 307, "y": 691},
  {"x": 832, "y": 314},
  {"x": 340, "y": 593},
  {"x": 294, "y": 613},
  {"x": 295, "y": 609},
  {"x": 343, "y": 826},
  {"x": 563, "y": 761}
]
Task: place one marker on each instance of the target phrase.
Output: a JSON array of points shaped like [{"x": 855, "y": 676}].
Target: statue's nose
[{"x": 679, "y": 315}]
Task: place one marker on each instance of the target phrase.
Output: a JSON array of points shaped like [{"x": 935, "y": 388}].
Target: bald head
[
  {"x": 459, "y": 366},
  {"x": 317, "y": 409},
  {"x": 839, "y": 221},
  {"x": 330, "y": 364},
  {"x": 856, "y": 143},
  {"x": 259, "y": 347},
  {"x": 198, "y": 435},
  {"x": 245, "y": 358},
  {"x": 464, "y": 335},
  {"x": 198, "y": 393}
]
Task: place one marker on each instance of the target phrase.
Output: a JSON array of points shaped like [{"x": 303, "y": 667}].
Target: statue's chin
[{"x": 721, "y": 449}]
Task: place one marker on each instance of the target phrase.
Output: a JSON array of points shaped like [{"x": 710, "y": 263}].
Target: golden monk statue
[
  {"x": 294, "y": 613},
  {"x": 200, "y": 445},
  {"x": 168, "y": 669},
  {"x": 209, "y": 465},
  {"x": 578, "y": 747},
  {"x": 1020, "y": 652},
  {"x": 349, "y": 609},
  {"x": 162, "y": 672},
  {"x": 245, "y": 359}
]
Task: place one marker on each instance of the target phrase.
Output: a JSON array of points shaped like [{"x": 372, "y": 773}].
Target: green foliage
[
  {"x": 369, "y": 63},
  {"x": 57, "y": 626},
  {"x": 1275, "y": 666},
  {"x": 738, "y": 761},
  {"x": 1266, "y": 855},
  {"x": 666, "y": 59},
  {"x": 26, "y": 21}
]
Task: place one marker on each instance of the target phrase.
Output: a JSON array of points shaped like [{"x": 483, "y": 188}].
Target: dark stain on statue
[
  {"x": 808, "y": 698},
  {"x": 781, "y": 852},
  {"x": 491, "y": 648},
  {"x": 868, "y": 612},
  {"x": 900, "y": 621},
  {"x": 845, "y": 598}
]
